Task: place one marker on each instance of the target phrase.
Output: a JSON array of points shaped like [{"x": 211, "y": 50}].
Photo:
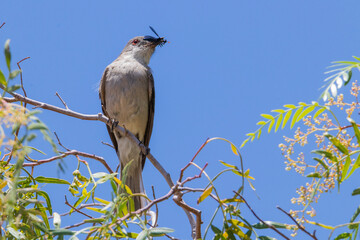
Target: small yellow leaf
[
  {"x": 320, "y": 224},
  {"x": 117, "y": 181},
  {"x": 205, "y": 194},
  {"x": 2, "y": 184},
  {"x": 233, "y": 148},
  {"x": 96, "y": 210},
  {"x": 228, "y": 165},
  {"x": 231, "y": 200},
  {"x": 102, "y": 200}
]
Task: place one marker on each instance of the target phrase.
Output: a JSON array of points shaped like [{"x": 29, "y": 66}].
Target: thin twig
[
  {"x": 75, "y": 209},
  {"x": 70, "y": 152},
  {"x": 198, "y": 151},
  {"x": 21, "y": 78},
  {"x": 180, "y": 202},
  {"x": 81, "y": 207},
  {"x": 59, "y": 142},
  {"x": 263, "y": 222},
  {"x": 156, "y": 207},
  {"x": 194, "y": 177},
  {"x": 108, "y": 144},
  {"x": 63, "y": 102},
  {"x": 296, "y": 222},
  {"x": 2, "y": 24}
]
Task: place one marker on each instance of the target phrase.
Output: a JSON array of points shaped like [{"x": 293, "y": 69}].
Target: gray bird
[{"x": 128, "y": 97}]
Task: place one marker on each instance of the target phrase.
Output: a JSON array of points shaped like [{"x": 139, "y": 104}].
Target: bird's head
[{"x": 141, "y": 48}]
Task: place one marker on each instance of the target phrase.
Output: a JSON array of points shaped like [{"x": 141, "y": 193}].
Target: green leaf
[
  {"x": 354, "y": 167},
  {"x": 286, "y": 118},
  {"x": 234, "y": 149},
  {"x": 159, "y": 231},
  {"x": 261, "y": 225},
  {"x": 348, "y": 78},
  {"x": 7, "y": 54},
  {"x": 271, "y": 125},
  {"x": 143, "y": 235},
  {"x": 356, "y": 129},
  {"x": 47, "y": 199},
  {"x": 357, "y": 212},
  {"x": 94, "y": 220},
  {"x": 278, "y": 110},
  {"x": 37, "y": 126},
  {"x": 14, "y": 74},
  {"x": 215, "y": 229},
  {"x": 228, "y": 165},
  {"x": 355, "y": 192},
  {"x": 259, "y": 134},
  {"x": 278, "y": 122},
  {"x": 267, "y": 116},
  {"x": 15, "y": 234},
  {"x": 35, "y": 218},
  {"x": 261, "y": 123},
  {"x": 266, "y": 238},
  {"x": 96, "y": 210},
  {"x": 337, "y": 143},
  {"x": 345, "y": 168},
  {"x": 322, "y": 163},
  {"x": 244, "y": 142},
  {"x": 13, "y": 88},
  {"x": 42, "y": 179},
  {"x": 290, "y": 106},
  {"x": 343, "y": 236},
  {"x": 35, "y": 149},
  {"x": 324, "y": 153},
  {"x": 205, "y": 194},
  {"x": 314, "y": 175},
  {"x": 295, "y": 116},
  {"x": 61, "y": 232},
  {"x": 305, "y": 113},
  {"x": 2, "y": 79}
]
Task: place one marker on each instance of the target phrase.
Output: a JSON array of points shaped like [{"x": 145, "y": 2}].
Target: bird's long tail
[{"x": 135, "y": 182}]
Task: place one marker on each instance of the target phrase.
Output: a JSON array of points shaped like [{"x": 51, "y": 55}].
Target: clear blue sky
[{"x": 228, "y": 62}]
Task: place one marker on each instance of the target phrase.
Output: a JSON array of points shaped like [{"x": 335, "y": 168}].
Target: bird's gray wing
[
  {"x": 103, "y": 107},
  {"x": 151, "y": 110}
]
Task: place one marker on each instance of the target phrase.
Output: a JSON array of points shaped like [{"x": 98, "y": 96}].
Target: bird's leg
[
  {"x": 147, "y": 149},
  {"x": 114, "y": 124}
]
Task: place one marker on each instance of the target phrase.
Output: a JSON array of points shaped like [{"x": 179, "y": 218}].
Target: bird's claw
[{"x": 114, "y": 124}]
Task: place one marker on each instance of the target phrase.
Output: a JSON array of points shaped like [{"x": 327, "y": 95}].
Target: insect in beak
[{"x": 160, "y": 41}]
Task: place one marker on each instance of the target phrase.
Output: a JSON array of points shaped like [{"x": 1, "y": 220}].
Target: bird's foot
[
  {"x": 114, "y": 124},
  {"x": 146, "y": 151}
]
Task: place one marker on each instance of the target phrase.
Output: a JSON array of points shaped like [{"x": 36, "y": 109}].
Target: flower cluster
[{"x": 327, "y": 166}]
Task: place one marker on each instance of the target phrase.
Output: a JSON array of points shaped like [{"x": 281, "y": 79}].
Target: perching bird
[{"x": 127, "y": 97}]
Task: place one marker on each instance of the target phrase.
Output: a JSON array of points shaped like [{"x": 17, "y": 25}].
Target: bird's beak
[{"x": 155, "y": 41}]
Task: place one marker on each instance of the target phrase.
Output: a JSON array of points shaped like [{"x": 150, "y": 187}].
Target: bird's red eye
[{"x": 134, "y": 42}]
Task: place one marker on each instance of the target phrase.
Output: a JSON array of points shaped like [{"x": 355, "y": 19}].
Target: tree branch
[
  {"x": 296, "y": 222},
  {"x": 263, "y": 222},
  {"x": 71, "y": 152}
]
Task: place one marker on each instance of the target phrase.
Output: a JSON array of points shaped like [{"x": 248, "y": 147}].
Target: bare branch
[
  {"x": 75, "y": 209},
  {"x": 156, "y": 207},
  {"x": 63, "y": 102},
  {"x": 108, "y": 144},
  {"x": 263, "y": 222},
  {"x": 180, "y": 202},
  {"x": 21, "y": 78},
  {"x": 2, "y": 24},
  {"x": 71, "y": 152},
  {"x": 81, "y": 207},
  {"x": 198, "y": 151},
  {"x": 59, "y": 142},
  {"x": 299, "y": 226}
]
